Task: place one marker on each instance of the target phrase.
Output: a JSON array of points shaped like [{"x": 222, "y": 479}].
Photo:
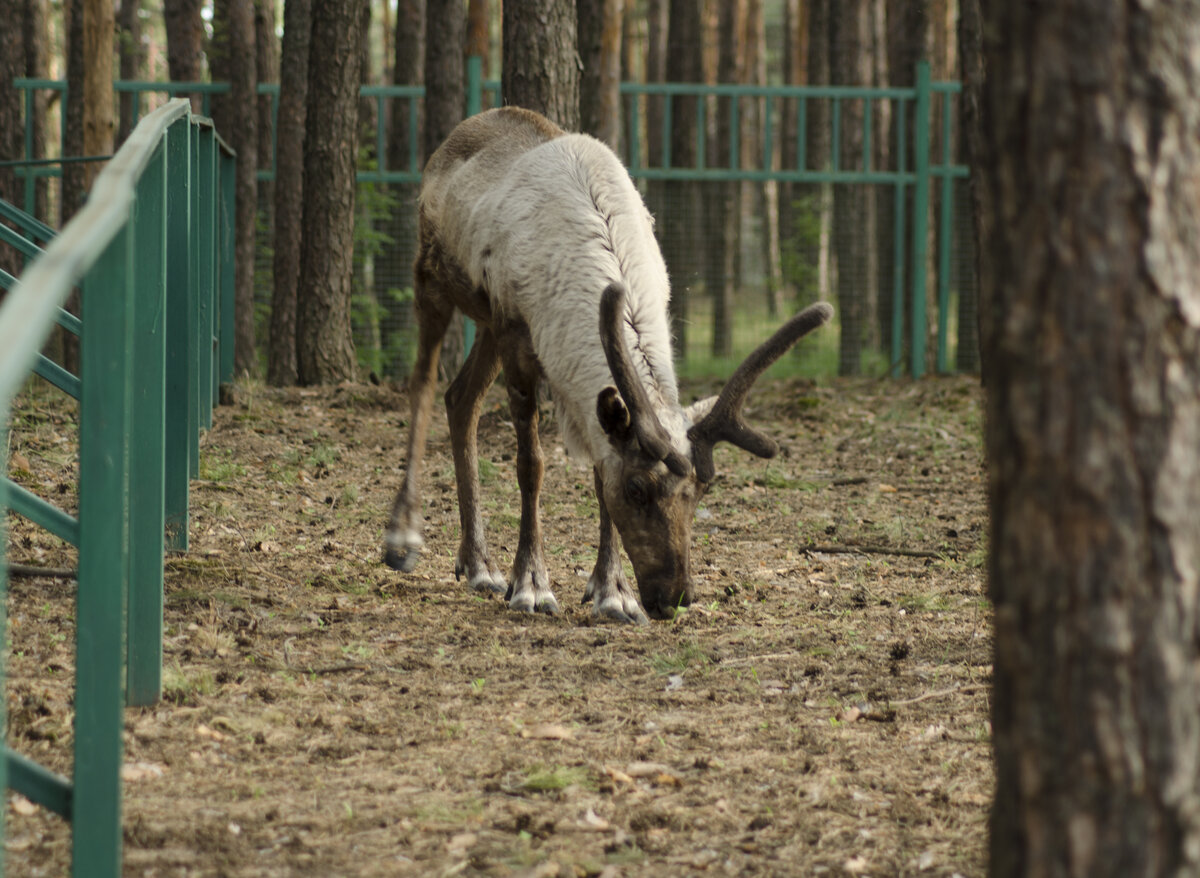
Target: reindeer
[{"x": 540, "y": 237}]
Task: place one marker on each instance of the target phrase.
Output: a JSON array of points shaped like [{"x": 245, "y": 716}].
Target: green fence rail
[
  {"x": 147, "y": 252},
  {"x": 912, "y": 178}
]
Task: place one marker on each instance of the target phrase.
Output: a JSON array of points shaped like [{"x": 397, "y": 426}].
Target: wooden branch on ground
[
  {"x": 32, "y": 571},
  {"x": 876, "y": 550}
]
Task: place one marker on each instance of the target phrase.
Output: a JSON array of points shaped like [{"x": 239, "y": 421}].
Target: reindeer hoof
[
  {"x": 488, "y": 583},
  {"x": 612, "y": 610},
  {"x": 405, "y": 561}
]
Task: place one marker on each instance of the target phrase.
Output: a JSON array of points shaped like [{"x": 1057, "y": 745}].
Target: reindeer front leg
[
  {"x": 464, "y": 399},
  {"x": 529, "y": 589},
  {"x": 607, "y": 586}
]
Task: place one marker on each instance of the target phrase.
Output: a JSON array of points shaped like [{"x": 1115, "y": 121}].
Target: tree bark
[
  {"x": 444, "y": 91},
  {"x": 99, "y": 25},
  {"x": 540, "y": 61},
  {"x": 600, "y": 79},
  {"x": 324, "y": 343},
  {"x": 12, "y": 141},
  {"x": 235, "y": 114},
  {"x": 678, "y": 231},
  {"x": 970, "y": 53},
  {"x": 132, "y": 61},
  {"x": 185, "y": 41},
  {"x": 721, "y": 199},
  {"x": 853, "y": 211},
  {"x": 1092, "y": 138},
  {"x": 282, "y": 368},
  {"x": 37, "y": 51},
  {"x": 818, "y": 140}
]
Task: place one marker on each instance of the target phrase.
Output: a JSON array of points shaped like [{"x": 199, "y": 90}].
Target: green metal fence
[
  {"x": 147, "y": 252},
  {"x": 927, "y": 245}
]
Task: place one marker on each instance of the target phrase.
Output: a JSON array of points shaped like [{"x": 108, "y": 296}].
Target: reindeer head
[{"x": 652, "y": 483}]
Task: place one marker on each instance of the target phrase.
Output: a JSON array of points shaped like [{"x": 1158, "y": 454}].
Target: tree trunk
[
  {"x": 600, "y": 79},
  {"x": 541, "y": 65},
  {"x": 1091, "y": 136},
  {"x": 721, "y": 199},
  {"x": 444, "y": 90},
  {"x": 235, "y": 114},
  {"x": 12, "y": 140},
  {"x": 266, "y": 68},
  {"x": 37, "y": 52},
  {"x": 819, "y": 141},
  {"x": 479, "y": 38},
  {"x": 970, "y": 53},
  {"x": 793, "y": 74},
  {"x": 289, "y": 190},
  {"x": 129, "y": 42},
  {"x": 99, "y": 25},
  {"x": 324, "y": 343},
  {"x": 679, "y": 233},
  {"x": 853, "y": 210},
  {"x": 185, "y": 41}
]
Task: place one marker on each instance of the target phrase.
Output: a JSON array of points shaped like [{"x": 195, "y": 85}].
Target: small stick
[
  {"x": 852, "y": 480},
  {"x": 938, "y": 693},
  {"x": 31, "y": 571},
  {"x": 875, "y": 550}
]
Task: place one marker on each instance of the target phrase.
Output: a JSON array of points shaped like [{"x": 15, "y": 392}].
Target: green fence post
[
  {"x": 224, "y": 343},
  {"x": 147, "y": 437},
  {"x": 945, "y": 230},
  {"x": 920, "y": 244},
  {"x": 106, "y": 374},
  {"x": 181, "y": 426},
  {"x": 3, "y": 623},
  {"x": 207, "y": 278},
  {"x": 474, "y": 85},
  {"x": 898, "y": 248}
]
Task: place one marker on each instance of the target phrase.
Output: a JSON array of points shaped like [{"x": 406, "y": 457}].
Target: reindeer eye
[{"x": 637, "y": 491}]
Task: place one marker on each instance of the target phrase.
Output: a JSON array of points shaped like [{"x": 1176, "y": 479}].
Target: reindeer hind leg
[{"x": 403, "y": 539}]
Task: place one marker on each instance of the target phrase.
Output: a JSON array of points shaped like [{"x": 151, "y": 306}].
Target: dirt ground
[{"x": 819, "y": 710}]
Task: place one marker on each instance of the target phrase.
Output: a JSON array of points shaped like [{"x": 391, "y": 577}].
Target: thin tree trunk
[
  {"x": 12, "y": 141},
  {"x": 289, "y": 190},
  {"x": 541, "y": 67},
  {"x": 479, "y": 40},
  {"x": 185, "y": 41},
  {"x": 99, "y": 25},
  {"x": 970, "y": 53},
  {"x": 324, "y": 342},
  {"x": 600, "y": 59},
  {"x": 1091, "y": 134},
  {"x": 235, "y": 114},
  {"x": 721, "y": 199},
  {"x": 817, "y": 134},
  {"x": 129, "y": 42},
  {"x": 37, "y": 67}
]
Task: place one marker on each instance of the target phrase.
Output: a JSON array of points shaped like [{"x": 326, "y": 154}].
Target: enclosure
[{"x": 822, "y": 708}]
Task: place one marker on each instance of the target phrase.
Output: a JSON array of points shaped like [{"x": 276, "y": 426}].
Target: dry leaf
[
  {"x": 850, "y": 714},
  {"x": 131, "y": 772},
  {"x": 617, "y": 775},
  {"x": 856, "y": 865},
  {"x": 461, "y": 842},
  {"x": 23, "y": 806},
  {"x": 645, "y": 769},
  {"x": 204, "y": 731},
  {"x": 590, "y": 822},
  {"x": 885, "y": 488},
  {"x": 19, "y": 462}
]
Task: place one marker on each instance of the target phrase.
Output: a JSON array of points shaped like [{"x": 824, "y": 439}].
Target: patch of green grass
[
  {"x": 217, "y": 470},
  {"x": 689, "y": 655},
  {"x": 185, "y": 687},
  {"x": 540, "y": 779},
  {"x": 924, "y": 603},
  {"x": 487, "y": 471}
]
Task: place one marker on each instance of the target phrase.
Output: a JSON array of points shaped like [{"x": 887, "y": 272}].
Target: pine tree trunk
[
  {"x": 129, "y": 45},
  {"x": 1092, "y": 137},
  {"x": 235, "y": 114},
  {"x": 324, "y": 343},
  {"x": 99, "y": 26},
  {"x": 289, "y": 191},
  {"x": 541, "y": 71},
  {"x": 721, "y": 199},
  {"x": 185, "y": 41},
  {"x": 600, "y": 59},
  {"x": 12, "y": 140}
]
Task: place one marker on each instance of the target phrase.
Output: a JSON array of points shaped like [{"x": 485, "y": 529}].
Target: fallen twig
[
  {"x": 876, "y": 550},
  {"x": 939, "y": 693},
  {"x": 32, "y": 571}
]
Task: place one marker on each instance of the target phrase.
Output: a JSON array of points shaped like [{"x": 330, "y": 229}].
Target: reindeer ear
[
  {"x": 613, "y": 415},
  {"x": 698, "y": 411}
]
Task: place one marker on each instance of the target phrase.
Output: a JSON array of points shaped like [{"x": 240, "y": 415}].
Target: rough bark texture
[
  {"x": 185, "y": 41},
  {"x": 678, "y": 230},
  {"x": 324, "y": 344},
  {"x": 289, "y": 191},
  {"x": 445, "y": 22},
  {"x": 600, "y": 59},
  {"x": 540, "y": 62},
  {"x": 37, "y": 52},
  {"x": 12, "y": 146},
  {"x": 1092, "y": 135},
  {"x": 853, "y": 209},
  {"x": 818, "y": 142},
  {"x": 970, "y": 53},
  {"x": 129, "y": 46},
  {"x": 266, "y": 68},
  {"x": 99, "y": 25},
  {"x": 235, "y": 114},
  {"x": 721, "y": 199}
]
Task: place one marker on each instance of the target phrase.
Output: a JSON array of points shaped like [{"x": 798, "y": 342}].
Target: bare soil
[{"x": 818, "y": 711}]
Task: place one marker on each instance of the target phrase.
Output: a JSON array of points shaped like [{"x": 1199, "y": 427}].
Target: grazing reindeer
[{"x": 538, "y": 236}]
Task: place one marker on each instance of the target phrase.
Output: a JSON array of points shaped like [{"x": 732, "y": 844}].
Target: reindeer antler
[
  {"x": 724, "y": 421},
  {"x": 651, "y": 436}
]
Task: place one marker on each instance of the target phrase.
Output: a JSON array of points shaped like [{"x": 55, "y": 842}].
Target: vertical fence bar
[
  {"x": 208, "y": 279},
  {"x": 898, "y": 248},
  {"x": 635, "y": 134},
  {"x": 4, "y": 411},
  {"x": 920, "y": 243},
  {"x": 474, "y": 85},
  {"x": 835, "y": 135},
  {"x": 148, "y": 437},
  {"x": 768, "y": 157},
  {"x": 667, "y": 127},
  {"x": 181, "y": 297},
  {"x": 106, "y": 368},
  {"x": 223, "y": 358},
  {"x": 866, "y": 145},
  {"x": 945, "y": 233},
  {"x": 196, "y": 277},
  {"x": 802, "y": 134},
  {"x": 735, "y": 133}
]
